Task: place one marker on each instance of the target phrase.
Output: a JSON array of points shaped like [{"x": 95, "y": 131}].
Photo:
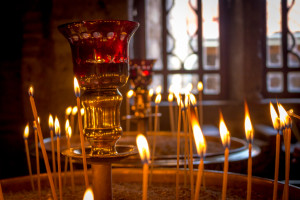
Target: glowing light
[
  {"x": 88, "y": 194},
  {"x": 143, "y": 148},
  {"x": 82, "y": 111},
  {"x": 198, "y": 136},
  {"x": 200, "y": 86},
  {"x": 50, "y": 122},
  {"x": 26, "y": 131},
  {"x": 69, "y": 132},
  {"x": 68, "y": 110},
  {"x": 67, "y": 125},
  {"x": 76, "y": 87},
  {"x": 150, "y": 93},
  {"x": 170, "y": 97},
  {"x": 224, "y": 133},
  {"x": 274, "y": 116},
  {"x": 285, "y": 119},
  {"x": 158, "y": 89},
  {"x": 129, "y": 93},
  {"x": 74, "y": 110},
  {"x": 248, "y": 125},
  {"x": 193, "y": 99},
  {"x": 30, "y": 91},
  {"x": 57, "y": 127},
  {"x": 158, "y": 99}
]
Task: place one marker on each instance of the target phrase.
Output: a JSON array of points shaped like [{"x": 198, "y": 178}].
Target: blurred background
[{"x": 240, "y": 50}]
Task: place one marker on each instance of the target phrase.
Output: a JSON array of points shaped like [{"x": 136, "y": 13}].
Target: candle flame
[
  {"x": 129, "y": 93},
  {"x": 76, "y": 87},
  {"x": 57, "y": 127},
  {"x": 82, "y": 111},
  {"x": 186, "y": 98},
  {"x": 248, "y": 125},
  {"x": 170, "y": 97},
  {"x": 30, "y": 91},
  {"x": 200, "y": 86},
  {"x": 68, "y": 110},
  {"x": 285, "y": 119},
  {"x": 50, "y": 122},
  {"x": 189, "y": 87},
  {"x": 158, "y": 99},
  {"x": 26, "y": 131},
  {"x": 69, "y": 132},
  {"x": 143, "y": 148},
  {"x": 275, "y": 118},
  {"x": 198, "y": 135},
  {"x": 74, "y": 110},
  {"x": 150, "y": 93},
  {"x": 67, "y": 125},
  {"x": 158, "y": 89},
  {"x": 88, "y": 194},
  {"x": 193, "y": 99},
  {"x": 224, "y": 133}
]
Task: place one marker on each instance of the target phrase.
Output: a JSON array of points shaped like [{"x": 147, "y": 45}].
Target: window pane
[
  {"x": 210, "y": 24},
  {"x": 294, "y": 26},
  {"x": 275, "y": 82},
  {"x": 274, "y": 34},
  {"x": 157, "y": 80},
  {"x": 154, "y": 32},
  {"x": 180, "y": 81},
  {"x": 293, "y": 81},
  {"x": 182, "y": 26},
  {"x": 212, "y": 84}
]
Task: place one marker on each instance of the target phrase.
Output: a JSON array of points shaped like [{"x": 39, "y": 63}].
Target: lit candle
[
  {"x": 88, "y": 194},
  {"x": 158, "y": 92},
  {"x": 201, "y": 150},
  {"x": 194, "y": 102},
  {"x": 145, "y": 157},
  {"x": 186, "y": 153},
  {"x": 48, "y": 169},
  {"x": 74, "y": 113},
  {"x": 150, "y": 94},
  {"x": 68, "y": 112},
  {"x": 37, "y": 157},
  {"x": 157, "y": 101},
  {"x": 129, "y": 95},
  {"x": 276, "y": 125},
  {"x": 69, "y": 134},
  {"x": 200, "y": 90},
  {"x": 67, "y": 125},
  {"x": 50, "y": 123},
  {"x": 225, "y": 137},
  {"x": 26, "y": 134},
  {"x": 286, "y": 125},
  {"x": 58, "y": 133},
  {"x": 77, "y": 94},
  {"x": 249, "y": 136},
  {"x": 179, "y": 102},
  {"x": 170, "y": 99}
]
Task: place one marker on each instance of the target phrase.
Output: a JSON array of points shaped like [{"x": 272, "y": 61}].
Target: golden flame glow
[
  {"x": 274, "y": 116},
  {"x": 88, "y": 194},
  {"x": 186, "y": 99},
  {"x": 26, "y": 131},
  {"x": 189, "y": 87},
  {"x": 68, "y": 110},
  {"x": 150, "y": 93},
  {"x": 158, "y": 98},
  {"x": 30, "y": 91},
  {"x": 74, "y": 110},
  {"x": 76, "y": 87},
  {"x": 198, "y": 136},
  {"x": 69, "y": 131},
  {"x": 82, "y": 111},
  {"x": 67, "y": 125},
  {"x": 143, "y": 148},
  {"x": 224, "y": 133},
  {"x": 158, "y": 89},
  {"x": 129, "y": 93},
  {"x": 193, "y": 99},
  {"x": 248, "y": 125},
  {"x": 284, "y": 117},
  {"x": 200, "y": 86},
  {"x": 170, "y": 97},
  {"x": 57, "y": 127},
  {"x": 50, "y": 122},
  {"x": 39, "y": 120}
]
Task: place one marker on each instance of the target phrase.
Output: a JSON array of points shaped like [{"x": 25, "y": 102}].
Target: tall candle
[
  {"x": 26, "y": 134},
  {"x": 37, "y": 157},
  {"x": 185, "y": 144},
  {"x": 249, "y": 137},
  {"x": 145, "y": 157},
  {"x": 58, "y": 133},
  {"x": 69, "y": 134},
  {"x": 171, "y": 116},
  {"x": 67, "y": 125},
  {"x": 201, "y": 150},
  {"x": 48, "y": 169},
  {"x": 276, "y": 125},
  {"x": 77, "y": 94},
  {"x": 150, "y": 94},
  {"x": 191, "y": 167},
  {"x": 200, "y": 90},
  {"x": 178, "y": 145},
  {"x": 129, "y": 95},
  {"x": 225, "y": 137},
  {"x": 50, "y": 122}
]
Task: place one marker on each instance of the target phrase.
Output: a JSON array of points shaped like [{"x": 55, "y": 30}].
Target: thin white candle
[
  {"x": 58, "y": 133},
  {"x": 37, "y": 157},
  {"x": 51, "y": 127},
  {"x": 26, "y": 134}
]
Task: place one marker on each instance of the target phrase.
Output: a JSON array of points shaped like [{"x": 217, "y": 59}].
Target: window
[
  {"x": 282, "y": 70},
  {"x": 184, "y": 37}
]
